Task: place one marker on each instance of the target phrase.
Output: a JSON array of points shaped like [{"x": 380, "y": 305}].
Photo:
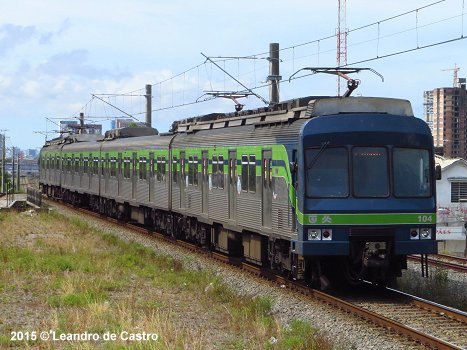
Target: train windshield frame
[{"x": 376, "y": 172}]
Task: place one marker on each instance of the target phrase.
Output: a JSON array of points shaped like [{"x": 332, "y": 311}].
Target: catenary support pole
[
  {"x": 3, "y": 164},
  {"x": 18, "y": 183},
  {"x": 148, "y": 105},
  {"x": 274, "y": 76}
]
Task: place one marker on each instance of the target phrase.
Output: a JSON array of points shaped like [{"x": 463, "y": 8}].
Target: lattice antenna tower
[{"x": 341, "y": 57}]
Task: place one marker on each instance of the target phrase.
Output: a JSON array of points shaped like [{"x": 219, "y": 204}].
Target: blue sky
[{"x": 54, "y": 54}]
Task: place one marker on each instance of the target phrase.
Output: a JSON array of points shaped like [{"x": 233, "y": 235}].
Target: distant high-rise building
[
  {"x": 446, "y": 113},
  {"x": 31, "y": 153}
]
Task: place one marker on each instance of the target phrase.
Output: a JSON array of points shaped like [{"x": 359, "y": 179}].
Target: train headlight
[
  {"x": 425, "y": 233},
  {"x": 414, "y": 233},
  {"x": 327, "y": 234},
  {"x": 314, "y": 234}
]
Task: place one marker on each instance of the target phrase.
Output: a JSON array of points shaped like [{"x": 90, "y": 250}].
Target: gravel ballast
[{"x": 348, "y": 331}]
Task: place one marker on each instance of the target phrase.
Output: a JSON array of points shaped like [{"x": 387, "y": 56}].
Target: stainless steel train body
[{"x": 279, "y": 187}]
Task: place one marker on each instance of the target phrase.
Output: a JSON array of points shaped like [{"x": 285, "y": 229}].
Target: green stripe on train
[{"x": 366, "y": 219}]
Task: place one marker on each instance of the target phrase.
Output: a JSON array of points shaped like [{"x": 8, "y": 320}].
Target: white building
[{"x": 451, "y": 192}]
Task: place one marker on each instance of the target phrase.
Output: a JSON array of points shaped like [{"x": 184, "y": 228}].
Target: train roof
[
  {"x": 73, "y": 138},
  {"x": 302, "y": 108}
]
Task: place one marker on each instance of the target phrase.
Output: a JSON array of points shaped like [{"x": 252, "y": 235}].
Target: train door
[
  {"x": 266, "y": 176},
  {"x": 151, "y": 177},
  {"x": 134, "y": 176},
  {"x": 232, "y": 183},
  {"x": 119, "y": 175},
  {"x": 90, "y": 164},
  {"x": 80, "y": 183},
  {"x": 182, "y": 180},
  {"x": 105, "y": 172},
  {"x": 205, "y": 181}
]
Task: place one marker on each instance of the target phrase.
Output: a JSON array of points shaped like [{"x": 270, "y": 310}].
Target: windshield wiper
[{"x": 324, "y": 145}]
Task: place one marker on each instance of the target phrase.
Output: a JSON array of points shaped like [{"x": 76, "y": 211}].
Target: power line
[{"x": 177, "y": 90}]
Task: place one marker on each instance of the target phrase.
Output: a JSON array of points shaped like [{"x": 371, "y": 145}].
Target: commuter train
[{"x": 325, "y": 189}]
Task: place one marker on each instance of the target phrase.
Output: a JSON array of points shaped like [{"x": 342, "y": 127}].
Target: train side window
[
  {"x": 195, "y": 170},
  {"x": 174, "y": 169},
  {"x": 96, "y": 166},
  {"x": 126, "y": 168},
  {"x": 220, "y": 171},
  {"x": 252, "y": 174},
  {"x": 244, "y": 173},
  {"x": 151, "y": 165},
  {"x": 182, "y": 168},
  {"x": 142, "y": 168},
  {"x": 205, "y": 168},
  {"x": 159, "y": 169},
  {"x": 214, "y": 171},
  {"x": 270, "y": 171},
  {"x": 163, "y": 168},
  {"x": 190, "y": 170},
  {"x": 113, "y": 167},
  {"x": 76, "y": 169},
  {"x": 85, "y": 165}
]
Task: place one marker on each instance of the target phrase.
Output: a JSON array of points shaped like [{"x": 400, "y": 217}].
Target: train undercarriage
[{"x": 367, "y": 261}]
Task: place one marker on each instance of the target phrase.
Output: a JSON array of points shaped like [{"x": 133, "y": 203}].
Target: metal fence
[{"x": 34, "y": 196}]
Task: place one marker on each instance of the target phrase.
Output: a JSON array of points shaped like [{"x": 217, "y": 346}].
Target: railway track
[
  {"x": 449, "y": 262},
  {"x": 432, "y": 325}
]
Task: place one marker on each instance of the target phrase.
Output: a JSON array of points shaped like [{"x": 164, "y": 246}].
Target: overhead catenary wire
[{"x": 317, "y": 52}]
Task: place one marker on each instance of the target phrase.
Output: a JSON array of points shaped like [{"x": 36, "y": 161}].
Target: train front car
[{"x": 366, "y": 191}]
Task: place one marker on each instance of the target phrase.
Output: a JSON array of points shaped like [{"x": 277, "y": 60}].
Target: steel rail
[
  {"x": 459, "y": 259},
  {"x": 370, "y": 316},
  {"x": 432, "y": 306},
  {"x": 442, "y": 263}
]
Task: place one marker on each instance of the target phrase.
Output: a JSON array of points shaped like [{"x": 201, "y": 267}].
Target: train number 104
[{"x": 425, "y": 218}]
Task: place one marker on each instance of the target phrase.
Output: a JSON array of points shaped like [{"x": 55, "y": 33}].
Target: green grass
[
  {"x": 78, "y": 299},
  {"x": 92, "y": 281}
]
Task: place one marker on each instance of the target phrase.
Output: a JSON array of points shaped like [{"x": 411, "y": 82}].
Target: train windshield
[
  {"x": 328, "y": 172},
  {"x": 370, "y": 172},
  {"x": 411, "y": 172}
]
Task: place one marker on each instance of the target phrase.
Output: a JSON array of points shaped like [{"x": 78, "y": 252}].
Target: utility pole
[
  {"x": 18, "y": 184},
  {"x": 148, "y": 105},
  {"x": 274, "y": 76},
  {"x": 3, "y": 137},
  {"x": 81, "y": 123},
  {"x": 13, "y": 168}
]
